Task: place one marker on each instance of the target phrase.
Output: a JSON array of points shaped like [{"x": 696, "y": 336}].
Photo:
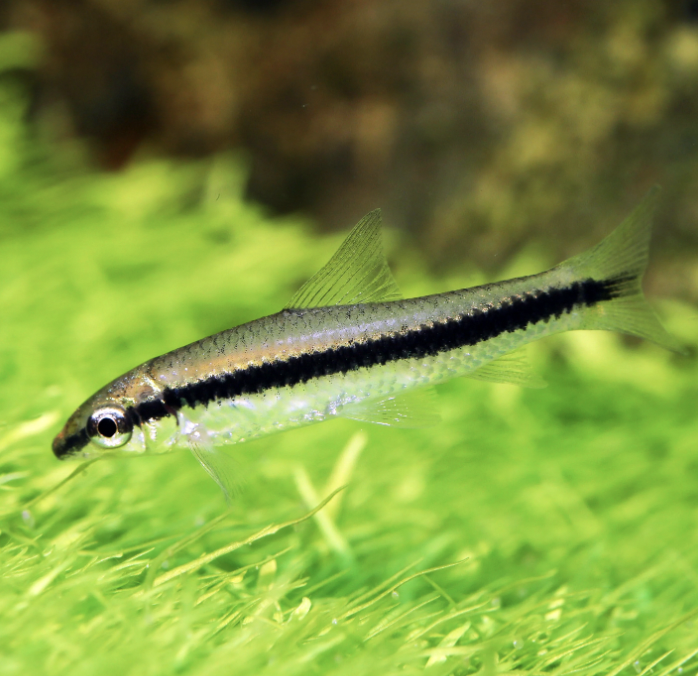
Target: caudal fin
[{"x": 619, "y": 261}]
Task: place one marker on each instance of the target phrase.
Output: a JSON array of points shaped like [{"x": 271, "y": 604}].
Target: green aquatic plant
[{"x": 533, "y": 531}]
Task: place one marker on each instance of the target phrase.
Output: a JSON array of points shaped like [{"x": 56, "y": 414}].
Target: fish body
[{"x": 348, "y": 346}]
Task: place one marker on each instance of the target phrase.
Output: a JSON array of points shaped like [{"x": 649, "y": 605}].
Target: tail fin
[{"x": 620, "y": 260}]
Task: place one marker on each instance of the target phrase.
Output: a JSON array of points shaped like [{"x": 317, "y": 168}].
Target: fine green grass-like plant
[{"x": 535, "y": 531}]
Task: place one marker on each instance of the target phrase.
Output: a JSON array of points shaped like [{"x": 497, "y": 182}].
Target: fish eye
[{"x": 109, "y": 427}]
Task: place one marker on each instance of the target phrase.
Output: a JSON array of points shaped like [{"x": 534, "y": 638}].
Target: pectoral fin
[{"x": 221, "y": 467}]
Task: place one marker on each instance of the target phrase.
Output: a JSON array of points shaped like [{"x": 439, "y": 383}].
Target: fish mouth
[{"x": 67, "y": 446}]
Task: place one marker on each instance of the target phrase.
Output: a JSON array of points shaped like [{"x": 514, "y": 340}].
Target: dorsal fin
[{"x": 357, "y": 273}]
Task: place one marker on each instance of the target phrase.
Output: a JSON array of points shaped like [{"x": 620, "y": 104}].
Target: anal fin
[{"x": 513, "y": 368}]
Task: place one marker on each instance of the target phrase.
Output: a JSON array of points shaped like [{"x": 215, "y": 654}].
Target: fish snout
[{"x": 66, "y": 445}]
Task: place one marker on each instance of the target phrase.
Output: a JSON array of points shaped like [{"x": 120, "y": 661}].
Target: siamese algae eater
[{"x": 348, "y": 345}]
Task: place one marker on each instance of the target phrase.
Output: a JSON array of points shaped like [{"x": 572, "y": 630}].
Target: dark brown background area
[{"x": 479, "y": 127}]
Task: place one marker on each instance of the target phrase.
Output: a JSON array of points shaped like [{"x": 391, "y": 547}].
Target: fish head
[{"x": 108, "y": 423}]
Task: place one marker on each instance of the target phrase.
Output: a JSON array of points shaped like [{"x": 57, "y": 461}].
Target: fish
[{"x": 349, "y": 345}]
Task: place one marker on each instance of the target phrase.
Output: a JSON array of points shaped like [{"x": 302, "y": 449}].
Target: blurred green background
[{"x": 170, "y": 169}]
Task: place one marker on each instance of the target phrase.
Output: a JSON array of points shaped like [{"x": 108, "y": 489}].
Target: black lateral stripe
[
  {"x": 148, "y": 410},
  {"x": 513, "y": 314}
]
